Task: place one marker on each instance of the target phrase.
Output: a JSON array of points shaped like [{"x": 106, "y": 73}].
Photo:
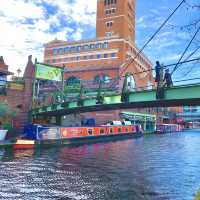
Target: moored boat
[
  {"x": 168, "y": 128},
  {"x": 37, "y": 135}
]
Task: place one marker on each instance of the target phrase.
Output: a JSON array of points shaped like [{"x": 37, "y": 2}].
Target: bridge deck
[{"x": 175, "y": 96}]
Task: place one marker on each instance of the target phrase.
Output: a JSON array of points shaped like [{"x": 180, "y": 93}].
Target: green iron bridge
[{"x": 174, "y": 96}]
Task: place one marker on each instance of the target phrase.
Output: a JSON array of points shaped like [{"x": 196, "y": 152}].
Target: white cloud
[
  {"x": 20, "y": 10},
  {"x": 25, "y": 27}
]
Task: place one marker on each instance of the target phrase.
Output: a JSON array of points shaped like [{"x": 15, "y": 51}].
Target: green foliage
[
  {"x": 7, "y": 126},
  {"x": 197, "y": 197},
  {"x": 6, "y": 111}
]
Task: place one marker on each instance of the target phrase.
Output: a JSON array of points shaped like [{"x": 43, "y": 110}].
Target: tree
[{"x": 6, "y": 111}]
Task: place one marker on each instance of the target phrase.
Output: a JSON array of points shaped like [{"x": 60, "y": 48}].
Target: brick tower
[{"x": 116, "y": 18}]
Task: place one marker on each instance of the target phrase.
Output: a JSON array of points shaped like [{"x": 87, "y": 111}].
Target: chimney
[{"x": 1, "y": 60}]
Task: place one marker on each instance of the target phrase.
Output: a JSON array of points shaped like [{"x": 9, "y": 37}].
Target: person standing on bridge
[
  {"x": 168, "y": 78},
  {"x": 157, "y": 69}
]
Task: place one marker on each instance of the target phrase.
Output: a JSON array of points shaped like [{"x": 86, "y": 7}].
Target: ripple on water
[{"x": 152, "y": 168}]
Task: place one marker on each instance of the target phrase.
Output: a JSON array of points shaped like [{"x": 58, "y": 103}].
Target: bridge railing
[{"x": 51, "y": 92}]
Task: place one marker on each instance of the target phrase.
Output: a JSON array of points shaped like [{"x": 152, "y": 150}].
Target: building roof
[{"x": 4, "y": 67}]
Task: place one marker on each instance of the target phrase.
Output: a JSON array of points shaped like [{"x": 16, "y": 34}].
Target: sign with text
[
  {"x": 48, "y": 73},
  {"x": 51, "y": 133}
]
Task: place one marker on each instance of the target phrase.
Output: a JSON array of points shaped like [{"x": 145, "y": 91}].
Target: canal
[{"x": 164, "y": 167}]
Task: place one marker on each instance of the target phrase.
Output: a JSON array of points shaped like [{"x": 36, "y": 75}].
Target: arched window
[
  {"x": 149, "y": 85},
  {"x": 97, "y": 79},
  {"x": 106, "y": 78},
  {"x": 131, "y": 83},
  {"x": 73, "y": 81}
]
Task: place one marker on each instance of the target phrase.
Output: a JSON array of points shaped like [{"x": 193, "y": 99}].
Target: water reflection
[{"x": 150, "y": 168}]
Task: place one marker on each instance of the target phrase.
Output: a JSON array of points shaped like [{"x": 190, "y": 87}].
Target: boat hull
[
  {"x": 30, "y": 144},
  {"x": 87, "y": 140}
]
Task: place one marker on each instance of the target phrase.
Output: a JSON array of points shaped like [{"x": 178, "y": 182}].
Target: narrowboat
[
  {"x": 168, "y": 128},
  {"x": 39, "y": 136}
]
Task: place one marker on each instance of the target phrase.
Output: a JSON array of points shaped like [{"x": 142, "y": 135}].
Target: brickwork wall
[{"x": 123, "y": 19}]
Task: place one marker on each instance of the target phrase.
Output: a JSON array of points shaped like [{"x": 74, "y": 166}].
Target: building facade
[
  {"x": 17, "y": 94},
  {"x": 107, "y": 55}
]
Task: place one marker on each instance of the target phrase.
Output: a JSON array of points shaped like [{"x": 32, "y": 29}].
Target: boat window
[
  {"x": 101, "y": 131},
  {"x": 119, "y": 130},
  {"x": 111, "y": 130},
  {"x": 90, "y": 131}
]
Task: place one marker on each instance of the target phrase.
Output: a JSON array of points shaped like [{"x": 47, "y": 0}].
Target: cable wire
[
  {"x": 190, "y": 70},
  {"x": 184, "y": 52},
  {"x": 152, "y": 37}
]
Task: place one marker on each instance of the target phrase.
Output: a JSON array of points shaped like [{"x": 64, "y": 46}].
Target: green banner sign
[{"x": 48, "y": 72}]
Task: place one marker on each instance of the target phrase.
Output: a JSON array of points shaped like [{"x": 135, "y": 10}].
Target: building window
[
  {"x": 91, "y": 57},
  {"x": 86, "y": 47},
  {"x": 106, "y": 79},
  {"x": 108, "y": 2},
  {"x": 73, "y": 81},
  {"x": 92, "y": 46},
  {"x": 131, "y": 83},
  {"x": 109, "y": 24},
  {"x": 98, "y": 45},
  {"x": 72, "y": 49},
  {"x": 108, "y": 34},
  {"x": 105, "y": 55},
  {"x": 66, "y": 49},
  {"x": 3, "y": 80},
  {"x": 99, "y": 56},
  {"x": 55, "y": 51},
  {"x": 113, "y": 55},
  {"x": 105, "y": 45},
  {"x": 113, "y": 10},
  {"x": 60, "y": 51},
  {"x": 97, "y": 79},
  {"x": 110, "y": 11}
]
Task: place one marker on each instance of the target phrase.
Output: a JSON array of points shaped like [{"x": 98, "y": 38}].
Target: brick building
[
  {"x": 105, "y": 56},
  {"x": 17, "y": 93}
]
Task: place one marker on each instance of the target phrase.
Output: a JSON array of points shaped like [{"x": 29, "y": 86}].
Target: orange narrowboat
[{"x": 46, "y": 136}]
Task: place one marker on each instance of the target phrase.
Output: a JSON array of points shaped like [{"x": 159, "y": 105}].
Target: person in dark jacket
[
  {"x": 168, "y": 78},
  {"x": 157, "y": 69}
]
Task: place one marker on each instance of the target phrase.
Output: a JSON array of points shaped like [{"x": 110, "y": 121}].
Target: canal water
[{"x": 164, "y": 167}]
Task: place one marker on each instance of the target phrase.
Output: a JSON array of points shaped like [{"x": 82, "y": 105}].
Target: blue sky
[{"x": 27, "y": 24}]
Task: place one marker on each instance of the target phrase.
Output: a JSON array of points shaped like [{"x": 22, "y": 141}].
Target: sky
[{"x": 26, "y": 25}]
